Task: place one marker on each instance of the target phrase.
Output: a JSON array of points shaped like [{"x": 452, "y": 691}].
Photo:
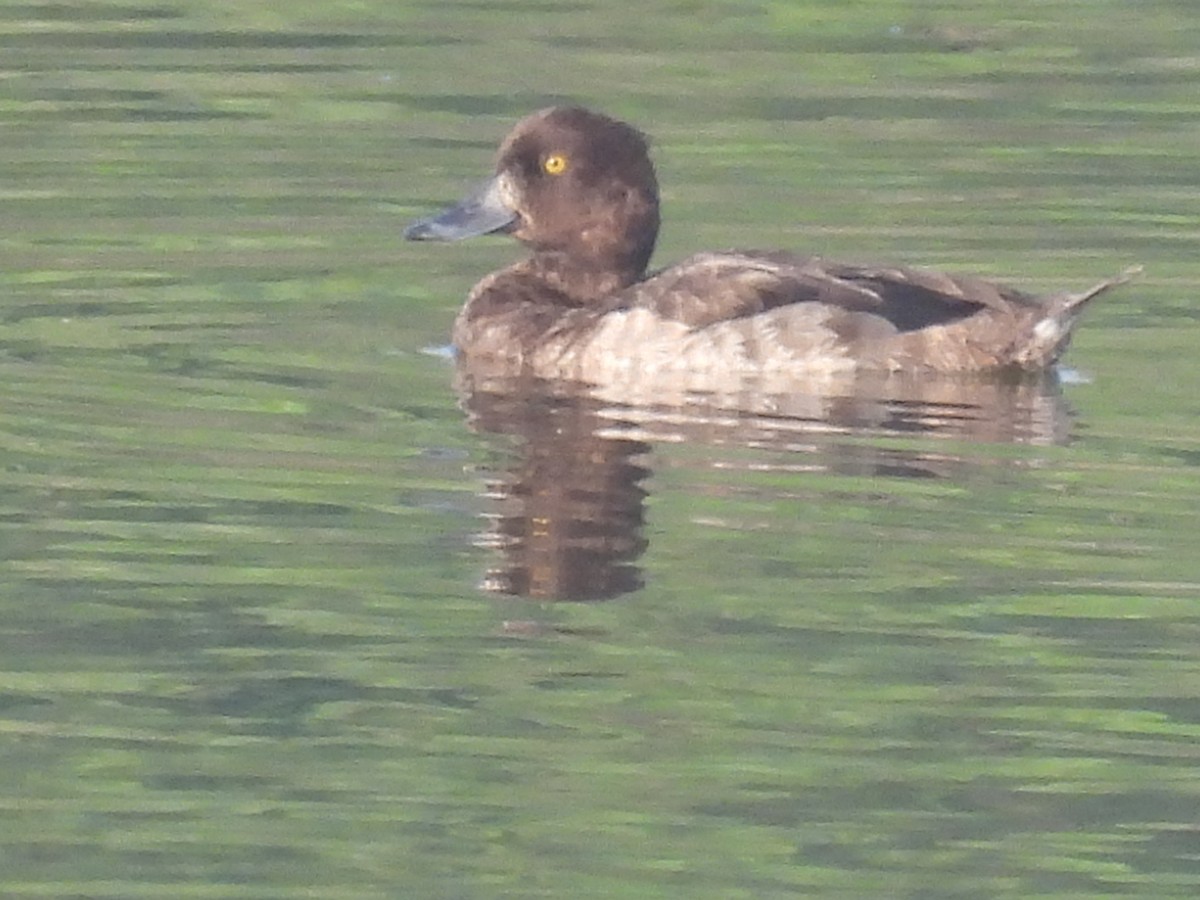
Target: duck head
[{"x": 571, "y": 184}]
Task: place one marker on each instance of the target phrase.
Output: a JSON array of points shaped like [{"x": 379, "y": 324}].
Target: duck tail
[
  {"x": 1048, "y": 335},
  {"x": 1072, "y": 305}
]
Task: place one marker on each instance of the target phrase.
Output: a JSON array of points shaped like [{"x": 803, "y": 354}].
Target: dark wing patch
[{"x": 900, "y": 285}]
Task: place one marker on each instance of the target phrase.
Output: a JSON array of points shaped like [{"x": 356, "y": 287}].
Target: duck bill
[{"x": 483, "y": 211}]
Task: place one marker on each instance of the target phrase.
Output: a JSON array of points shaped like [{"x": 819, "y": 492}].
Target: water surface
[{"x": 276, "y": 596}]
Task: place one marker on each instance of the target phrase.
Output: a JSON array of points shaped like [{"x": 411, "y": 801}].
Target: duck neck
[{"x": 583, "y": 282}]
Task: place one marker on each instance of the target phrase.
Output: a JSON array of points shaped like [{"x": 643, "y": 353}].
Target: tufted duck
[{"x": 578, "y": 188}]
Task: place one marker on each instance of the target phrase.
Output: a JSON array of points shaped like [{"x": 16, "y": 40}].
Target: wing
[{"x": 715, "y": 287}]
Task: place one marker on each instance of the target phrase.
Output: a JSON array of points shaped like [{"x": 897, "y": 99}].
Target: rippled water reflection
[
  {"x": 921, "y": 645},
  {"x": 566, "y": 513}
]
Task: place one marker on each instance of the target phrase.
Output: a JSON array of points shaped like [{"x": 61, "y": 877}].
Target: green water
[{"x": 245, "y": 517}]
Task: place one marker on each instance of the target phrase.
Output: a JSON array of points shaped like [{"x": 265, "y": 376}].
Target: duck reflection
[
  {"x": 567, "y": 514},
  {"x": 567, "y": 517}
]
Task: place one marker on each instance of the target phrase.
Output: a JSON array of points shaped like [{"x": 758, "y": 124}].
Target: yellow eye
[{"x": 554, "y": 164}]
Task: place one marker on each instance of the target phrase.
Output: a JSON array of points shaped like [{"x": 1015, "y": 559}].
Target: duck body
[{"x": 578, "y": 188}]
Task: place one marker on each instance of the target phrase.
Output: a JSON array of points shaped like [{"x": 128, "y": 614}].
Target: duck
[{"x": 579, "y": 190}]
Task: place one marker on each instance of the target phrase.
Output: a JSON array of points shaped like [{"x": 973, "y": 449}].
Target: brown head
[{"x": 569, "y": 183}]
